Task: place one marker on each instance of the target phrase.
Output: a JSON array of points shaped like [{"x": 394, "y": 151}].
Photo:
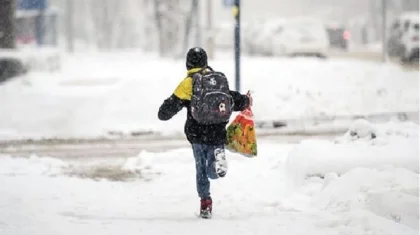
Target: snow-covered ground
[
  {"x": 98, "y": 93},
  {"x": 358, "y": 184}
]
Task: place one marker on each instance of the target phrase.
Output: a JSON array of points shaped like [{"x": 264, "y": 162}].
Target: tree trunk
[
  {"x": 158, "y": 19},
  {"x": 7, "y": 29},
  {"x": 168, "y": 18}
]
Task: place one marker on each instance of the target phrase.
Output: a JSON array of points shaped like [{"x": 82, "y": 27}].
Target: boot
[{"x": 206, "y": 208}]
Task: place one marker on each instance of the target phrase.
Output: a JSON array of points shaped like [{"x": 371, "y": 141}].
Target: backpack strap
[
  {"x": 210, "y": 68},
  {"x": 201, "y": 71}
]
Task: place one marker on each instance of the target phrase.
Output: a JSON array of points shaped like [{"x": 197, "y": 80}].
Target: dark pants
[{"x": 205, "y": 167}]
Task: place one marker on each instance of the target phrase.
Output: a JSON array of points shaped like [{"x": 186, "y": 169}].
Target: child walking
[{"x": 209, "y": 102}]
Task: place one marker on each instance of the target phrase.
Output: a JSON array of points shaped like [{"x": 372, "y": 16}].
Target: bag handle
[
  {"x": 250, "y": 100},
  {"x": 248, "y": 111}
]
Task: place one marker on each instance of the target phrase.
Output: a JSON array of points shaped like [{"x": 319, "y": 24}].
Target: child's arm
[
  {"x": 178, "y": 100},
  {"x": 241, "y": 102},
  {"x": 170, "y": 107}
]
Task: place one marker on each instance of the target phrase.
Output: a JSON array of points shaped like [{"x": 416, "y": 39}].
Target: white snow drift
[
  {"x": 370, "y": 175},
  {"x": 364, "y": 145}
]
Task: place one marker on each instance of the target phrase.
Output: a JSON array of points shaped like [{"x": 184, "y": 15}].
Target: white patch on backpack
[
  {"x": 213, "y": 82},
  {"x": 222, "y": 107}
]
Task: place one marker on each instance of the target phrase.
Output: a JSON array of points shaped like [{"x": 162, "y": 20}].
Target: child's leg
[
  {"x": 203, "y": 184},
  {"x": 216, "y": 162}
]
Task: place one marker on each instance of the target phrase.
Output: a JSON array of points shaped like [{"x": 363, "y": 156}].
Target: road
[
  {"x": 102, "y": 148},
  {"x": 128, "y": 146},
  {"x": 103, "y": 158}
]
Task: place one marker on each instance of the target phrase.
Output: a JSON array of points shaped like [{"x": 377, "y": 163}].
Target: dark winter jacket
[{"x": 198, "y": 133}]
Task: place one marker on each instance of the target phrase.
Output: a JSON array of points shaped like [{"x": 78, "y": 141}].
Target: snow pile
[
  {"x": 100, "y": 94},
  {"x": 361, "y": 129},
  {"x": 368, "y": 178},
  {"x": 384, "y": 200},
  {"x": 364, "y": 145},
  {"x": 387, "y": 192},
  {"x": 380, "y": 134}
]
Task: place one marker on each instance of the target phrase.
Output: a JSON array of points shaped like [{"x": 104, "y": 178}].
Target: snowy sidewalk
[{"x": 355, "y": 185}]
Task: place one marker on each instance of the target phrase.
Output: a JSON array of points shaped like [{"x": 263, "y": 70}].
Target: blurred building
[
  {"x": 410, "y": 5},
  {"x": 334, "y": 10},
  {"x": 117, "y": 24},
  {"x": 36, "y": 23}
]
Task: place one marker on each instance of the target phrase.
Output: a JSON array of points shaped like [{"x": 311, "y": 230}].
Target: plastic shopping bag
[{"x": 241, "y": 134}]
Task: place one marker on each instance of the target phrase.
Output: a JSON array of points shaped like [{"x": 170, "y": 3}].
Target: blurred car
[
  {"x": 252, "y": 30},
  {"x": 261, "y": 37},
  {"x": 403, "y": 39},
  {"x": 300, "y": 37},
  {"x": 225, "y": 36},
  {"x": 394, "y": 36},
  {"x": 266, "y": 36},
  {"x": 338, "y": 36},
  {"x": 409, "y": 37}
]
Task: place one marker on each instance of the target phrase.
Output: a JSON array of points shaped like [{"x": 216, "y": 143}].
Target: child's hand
[{"x": 250, "y": 98}]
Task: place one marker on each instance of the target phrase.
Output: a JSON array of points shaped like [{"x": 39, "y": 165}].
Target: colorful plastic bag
[{"x": 241, "y": 134}]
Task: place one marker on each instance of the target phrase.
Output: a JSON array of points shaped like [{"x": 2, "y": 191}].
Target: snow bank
[
  {"x": 369, "y": 176},
  {"x": 384, "y": 200},
  {"x": 388, "y": 192},
  {"x": 364, "y": 145}
]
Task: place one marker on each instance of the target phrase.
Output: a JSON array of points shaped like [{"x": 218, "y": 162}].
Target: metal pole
[
  {"x": 236, "y": 12},
  {"x": 70, "y": 45},
  {"x": 210, "y": 47},
  {"x": 384, "y": 27}
]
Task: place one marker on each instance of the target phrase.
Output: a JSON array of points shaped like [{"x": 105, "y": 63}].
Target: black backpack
[{"x": 211, "y": 102}]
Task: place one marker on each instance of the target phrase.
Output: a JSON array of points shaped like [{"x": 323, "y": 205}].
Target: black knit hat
[{"x": 196, "y": 58}]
